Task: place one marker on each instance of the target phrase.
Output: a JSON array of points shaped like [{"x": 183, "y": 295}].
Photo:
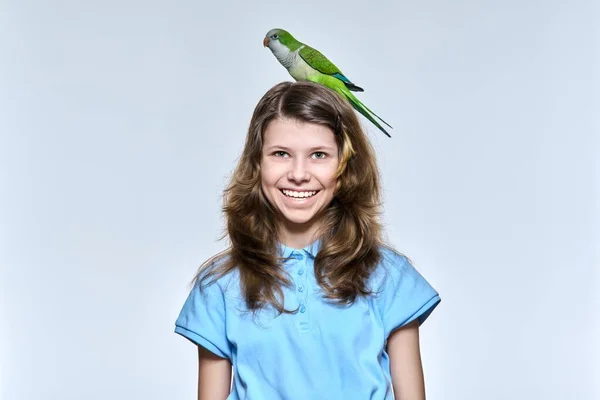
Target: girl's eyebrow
[{"x": 312, "y": 149}]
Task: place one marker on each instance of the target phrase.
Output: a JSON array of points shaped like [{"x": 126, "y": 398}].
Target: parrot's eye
[{"x": 275, "y": 36}]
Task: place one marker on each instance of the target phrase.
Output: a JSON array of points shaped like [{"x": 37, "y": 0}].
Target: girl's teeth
[{"x": 298, "y": 194}]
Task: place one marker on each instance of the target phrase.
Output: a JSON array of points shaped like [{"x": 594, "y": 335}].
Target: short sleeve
[
  {"x": 202, "y": 319},
  {"x": 404, "y": 294}
]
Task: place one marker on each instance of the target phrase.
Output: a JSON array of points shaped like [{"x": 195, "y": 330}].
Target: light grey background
[{"x": 120, "y": 122}]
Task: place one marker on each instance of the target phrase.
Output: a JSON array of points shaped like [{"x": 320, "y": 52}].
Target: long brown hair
[{"x": 350, "y": 232}]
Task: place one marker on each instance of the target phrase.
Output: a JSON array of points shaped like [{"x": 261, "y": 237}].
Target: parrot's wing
[{"x": 319, "y": 62}]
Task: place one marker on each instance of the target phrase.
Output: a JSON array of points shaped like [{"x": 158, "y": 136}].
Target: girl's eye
[
  {"x": 319, "y": 155},
  {"x": 280, "y": 153}
]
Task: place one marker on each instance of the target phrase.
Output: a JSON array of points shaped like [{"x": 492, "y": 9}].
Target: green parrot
[{"x": 307, "y": 64}]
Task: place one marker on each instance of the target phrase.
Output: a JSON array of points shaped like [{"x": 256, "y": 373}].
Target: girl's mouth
[{"x": 299, "y": 194}]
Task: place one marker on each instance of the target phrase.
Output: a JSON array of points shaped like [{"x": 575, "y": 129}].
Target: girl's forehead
[{"x": 289, "y": 132}]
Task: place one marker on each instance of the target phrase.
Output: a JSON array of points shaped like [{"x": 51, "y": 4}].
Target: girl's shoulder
[
  {"x": 217, "y": 276},
  {"x": 392, "y": 259},
  {"x": 393, "y": 267}
]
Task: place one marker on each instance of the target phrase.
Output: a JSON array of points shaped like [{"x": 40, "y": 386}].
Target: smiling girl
[{"x": 307, "y": 302}]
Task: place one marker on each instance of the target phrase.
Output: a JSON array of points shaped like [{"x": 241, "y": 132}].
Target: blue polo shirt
[{"x": 324, "y": 350}]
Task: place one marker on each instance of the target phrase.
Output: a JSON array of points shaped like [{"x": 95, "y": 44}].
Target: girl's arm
[
  {"x": 405, "y": 363},
  {"x": 214, "y": 376}
]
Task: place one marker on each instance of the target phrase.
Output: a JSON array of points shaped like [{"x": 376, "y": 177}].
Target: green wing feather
[{"x": 318, "y": 61}]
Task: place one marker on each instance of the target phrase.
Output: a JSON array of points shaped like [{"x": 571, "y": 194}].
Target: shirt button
[
  {"x": 300, "y": 288},
  {"x": 302, "y": 309},
  {"x": 300, "y": 271}
]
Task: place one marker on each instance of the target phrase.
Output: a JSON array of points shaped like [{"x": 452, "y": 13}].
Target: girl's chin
[{"x": 298, "y": 220}]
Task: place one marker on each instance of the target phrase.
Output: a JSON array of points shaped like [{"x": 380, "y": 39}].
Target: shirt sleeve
[
  {"x": 405, "y": 295},
  {"x": 203, "y": 319}
]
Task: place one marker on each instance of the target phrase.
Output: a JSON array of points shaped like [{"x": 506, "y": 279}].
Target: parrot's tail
[
  {"x": 340, "y": 87},
  {"x": 364, "y": 110}
]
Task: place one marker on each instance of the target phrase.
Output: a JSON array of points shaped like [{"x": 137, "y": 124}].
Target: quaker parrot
[{"x": 307, "y": 64}]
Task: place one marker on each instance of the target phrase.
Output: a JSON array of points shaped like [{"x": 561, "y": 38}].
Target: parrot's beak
[{"x": 266, "y": 42}]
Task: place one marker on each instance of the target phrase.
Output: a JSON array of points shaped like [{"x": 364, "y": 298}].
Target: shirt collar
[{"x": 311, "y": 249}]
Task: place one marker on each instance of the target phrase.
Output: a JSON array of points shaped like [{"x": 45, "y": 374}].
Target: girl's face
[{"x": 298, "y": 164}]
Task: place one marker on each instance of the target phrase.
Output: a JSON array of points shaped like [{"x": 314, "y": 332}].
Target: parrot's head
[{"x": 279, "y": 41}]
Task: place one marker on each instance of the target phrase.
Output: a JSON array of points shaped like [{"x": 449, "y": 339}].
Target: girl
[{"x": 307, "y": 303}]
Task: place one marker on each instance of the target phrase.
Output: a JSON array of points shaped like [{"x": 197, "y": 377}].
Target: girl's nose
[{"x": 298, "y": 172}]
